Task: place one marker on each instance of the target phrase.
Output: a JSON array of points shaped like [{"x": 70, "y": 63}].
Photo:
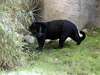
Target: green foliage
[
  {"x": 71, "y": 60},
  {"x": 9, "y": 56}
]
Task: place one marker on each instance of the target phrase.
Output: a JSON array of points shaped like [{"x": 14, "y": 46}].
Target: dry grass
[{"x": 15, "y": 17}]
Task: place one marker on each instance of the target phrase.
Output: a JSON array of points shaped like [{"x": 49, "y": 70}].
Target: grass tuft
[{"x": 15, "y": 17}]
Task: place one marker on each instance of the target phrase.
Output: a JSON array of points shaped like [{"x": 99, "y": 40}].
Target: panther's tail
[{"x": 83, "y": 35}]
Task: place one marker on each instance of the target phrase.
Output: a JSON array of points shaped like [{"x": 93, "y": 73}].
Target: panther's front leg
[{"x": 41, "y": 41}]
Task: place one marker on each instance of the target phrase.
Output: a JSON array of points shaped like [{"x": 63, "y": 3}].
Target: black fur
[{"x": 57, "y": 29}]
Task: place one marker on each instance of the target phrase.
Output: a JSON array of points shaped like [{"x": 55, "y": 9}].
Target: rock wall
[
  {"x": 79, "y": 12},
  {"x": 98, "y": 13},
  {"x": 88, "y": 11}
]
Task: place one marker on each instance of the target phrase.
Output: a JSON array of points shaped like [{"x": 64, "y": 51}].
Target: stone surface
[
  {"x": 29, "y": 39},
  {"x": 98, "y": 13},
  {"x": 79, "y": 12}
]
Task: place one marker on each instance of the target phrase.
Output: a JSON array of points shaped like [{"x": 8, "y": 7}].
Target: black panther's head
[
  {"x": 36, "y": 27},
  {"x": 33, "y": 28}
]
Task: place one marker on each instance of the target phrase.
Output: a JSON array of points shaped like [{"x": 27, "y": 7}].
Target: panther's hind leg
[{"x": 62, "y": 40}]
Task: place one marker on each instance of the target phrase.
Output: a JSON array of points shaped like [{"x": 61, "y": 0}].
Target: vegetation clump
[{"x": 15, "y": 17}]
